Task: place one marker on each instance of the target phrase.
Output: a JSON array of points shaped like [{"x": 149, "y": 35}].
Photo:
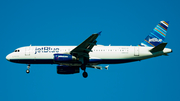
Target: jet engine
[{"x": 67, "y": 69}]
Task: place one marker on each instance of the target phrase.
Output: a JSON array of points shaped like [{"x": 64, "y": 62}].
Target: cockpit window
[{"x": 17, "y": 50}]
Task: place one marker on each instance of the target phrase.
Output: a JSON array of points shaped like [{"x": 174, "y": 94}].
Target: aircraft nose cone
[{"x": 8, "y": 57}]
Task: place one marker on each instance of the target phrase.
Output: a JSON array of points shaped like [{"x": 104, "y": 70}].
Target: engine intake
[{"x": 67, "y": 70}]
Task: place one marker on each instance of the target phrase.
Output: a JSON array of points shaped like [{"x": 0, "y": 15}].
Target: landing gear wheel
[
  {"x": 27, "y": 71},
  {"x": 85, "y": 74}
]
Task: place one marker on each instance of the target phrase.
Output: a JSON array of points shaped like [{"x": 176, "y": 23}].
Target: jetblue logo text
[
  {"x": 46, "y": 50},
  {"x": 155, "y": 40}
]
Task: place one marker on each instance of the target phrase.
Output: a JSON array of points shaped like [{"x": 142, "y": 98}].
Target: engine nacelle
[
  {"x": 67, "y": 70},
  {"x": 63, "y": 57}
]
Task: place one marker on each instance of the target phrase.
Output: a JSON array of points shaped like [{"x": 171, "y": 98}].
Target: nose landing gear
[{"x": 28, "y": 67}]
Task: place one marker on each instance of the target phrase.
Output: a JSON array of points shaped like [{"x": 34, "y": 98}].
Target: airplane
[{"x": 70, "y": 59}]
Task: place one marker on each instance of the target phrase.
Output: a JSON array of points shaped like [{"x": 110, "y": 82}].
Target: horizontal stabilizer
[{"x": 159, "y": 47}]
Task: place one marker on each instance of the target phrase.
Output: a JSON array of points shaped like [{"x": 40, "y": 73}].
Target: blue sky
[{"x": 69, "y": 22}]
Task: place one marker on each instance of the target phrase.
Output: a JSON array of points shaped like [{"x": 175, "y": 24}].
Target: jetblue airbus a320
[{"x": 70, "y": 59}]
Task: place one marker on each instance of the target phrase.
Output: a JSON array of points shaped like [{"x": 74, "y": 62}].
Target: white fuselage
[{"x": 99, "y": 54}]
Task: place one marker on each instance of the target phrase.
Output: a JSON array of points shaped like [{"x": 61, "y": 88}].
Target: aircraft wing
[{"x": 82, "y": 50}]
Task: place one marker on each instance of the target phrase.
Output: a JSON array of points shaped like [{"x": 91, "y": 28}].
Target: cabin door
[
  {"x": 27, "y": 51},
  {"x": 136, "y": 51}
]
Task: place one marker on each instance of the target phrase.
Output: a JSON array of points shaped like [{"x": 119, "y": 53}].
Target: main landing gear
[
  {"x": 28, "y": 67},
  {"x": 85, "y": 74}
]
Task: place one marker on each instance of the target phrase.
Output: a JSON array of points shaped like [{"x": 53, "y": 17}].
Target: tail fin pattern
[{"x": 156, "y": 36}]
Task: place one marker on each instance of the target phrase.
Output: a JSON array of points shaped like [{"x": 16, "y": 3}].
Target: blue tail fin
[{"x": 157, "y": 35}]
